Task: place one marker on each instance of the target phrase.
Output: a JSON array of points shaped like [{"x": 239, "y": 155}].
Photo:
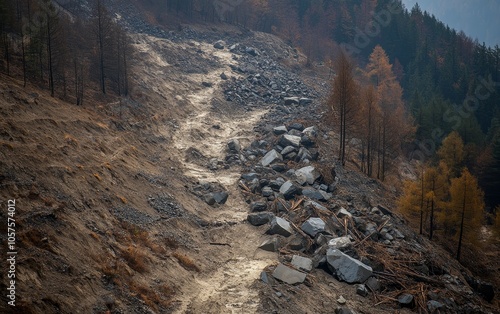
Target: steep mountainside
[{"x": 160, "y": 202}]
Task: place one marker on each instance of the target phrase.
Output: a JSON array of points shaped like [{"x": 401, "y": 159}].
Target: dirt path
[{"x": 228, "y": 287}]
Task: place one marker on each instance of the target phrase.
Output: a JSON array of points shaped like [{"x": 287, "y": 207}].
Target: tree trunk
[{"x": 459, "y": 249}]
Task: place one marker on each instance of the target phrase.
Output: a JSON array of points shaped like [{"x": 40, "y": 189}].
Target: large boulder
[
  {"x": 289, "y": 140},
  {"x": 289, "y": 190},
  {"x": 288, "y": 275},
  {"x": 347, "y": 268},
  {"x": 259, "y": 219},
  {"x": 307, "y": 175},
  {"x": 313, "y": 226},
  {"x": 271, "y": 157},
  {"x": 280, "y": 226}
]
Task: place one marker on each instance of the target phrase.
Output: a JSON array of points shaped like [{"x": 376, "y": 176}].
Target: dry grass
[
  {"x": 123, "y": 199},
  {"x": 97, "y": 176},
  {"x": 186, "y": 262},
  {"x": 154, "y": 297},
  {"x": 135, "y": 258}
]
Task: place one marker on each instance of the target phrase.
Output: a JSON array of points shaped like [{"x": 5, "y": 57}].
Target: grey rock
[
  {"x": 347, "y": 268},
  {"x": 361, "y": 290},
  {"x": 289, "y": 140},
  {"x": 271, "y": 157},
  {"x": 288, "y": 275},
  {"x": 373, "y": 284},
  {"x": 209, "y": 199},
  {"x": 259, "y": 219},
  {"x": 276, "y": 184},
  {"x": 280, "y": 226},
  {"x": 433, "y": 306},
  {"x": 303, "y": 154},
  {"x": 302, "y": 263},
  {"x": 398, "y": 234},
  {"x": 339, "y": 243},
  {"x": 317, "y": 205},
  {"x": 267, "y": 191},
  {"x": 279, "y": 130},
  {"x": 207, "y": 84},
  {"x": 307, "y": 141},
  {"x": 219, "y": 44},
  {"x": 258, "y": 206},
  {"x": 304, "y": 101},
  {"x": 406, "y": 300},
  {"x": 314, "y": 194},
  {"x": 343, "y": 213},
  {"x": 323, "y": 239},
  {"x": 252, "y": 51},
  {"x": 267, "y": 279},
  {"x": 234, "y": 146},
  {"x": 271, "y": 245},
  {"x": 295, "y": 132},
  {"x": 296, "y": 126},
  {"x": 341, "y": 300},
  {"x": 297, "y": 243},
  {"x": 313, "y": 226},
  {"x": 279, "y": 167},
  {"x": 220, "y": 197},
  {"x": 291, "y": 101},
  {"x": 307, "y": 174},
  {"x": 311, "y": 131},
  {"x": 223, "y": 76},
  {"x": 287, "y": 150},
  {"x": 289, "y": 190}
]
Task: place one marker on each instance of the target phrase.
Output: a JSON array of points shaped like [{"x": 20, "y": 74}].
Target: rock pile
[{"x": 312, "y": 228}]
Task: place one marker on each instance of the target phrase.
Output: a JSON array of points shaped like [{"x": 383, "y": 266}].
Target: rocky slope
[{"x": 210, "y": 190}]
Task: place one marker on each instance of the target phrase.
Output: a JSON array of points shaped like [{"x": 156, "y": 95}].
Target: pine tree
[
  {"x": 394, "y": 126},
  {"x": 452, "y": 152},
  {"x": 467, "y": 205},
  {"x": 343, "y": 101}
]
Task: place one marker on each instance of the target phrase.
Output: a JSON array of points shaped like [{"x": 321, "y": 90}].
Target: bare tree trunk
[{"x": 459, "y": 249}]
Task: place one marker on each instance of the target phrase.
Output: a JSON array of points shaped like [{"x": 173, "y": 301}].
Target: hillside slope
[{"x": 113, "y": 211}]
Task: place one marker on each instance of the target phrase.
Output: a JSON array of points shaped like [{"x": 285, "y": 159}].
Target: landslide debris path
[{"x": 227, "y": 288}]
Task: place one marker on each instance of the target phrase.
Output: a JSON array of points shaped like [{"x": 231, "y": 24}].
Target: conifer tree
[
  {"x": 467, "y": 205},
  {"x": 343, "y": 101},
  {"x": 452, "y": 152}
]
